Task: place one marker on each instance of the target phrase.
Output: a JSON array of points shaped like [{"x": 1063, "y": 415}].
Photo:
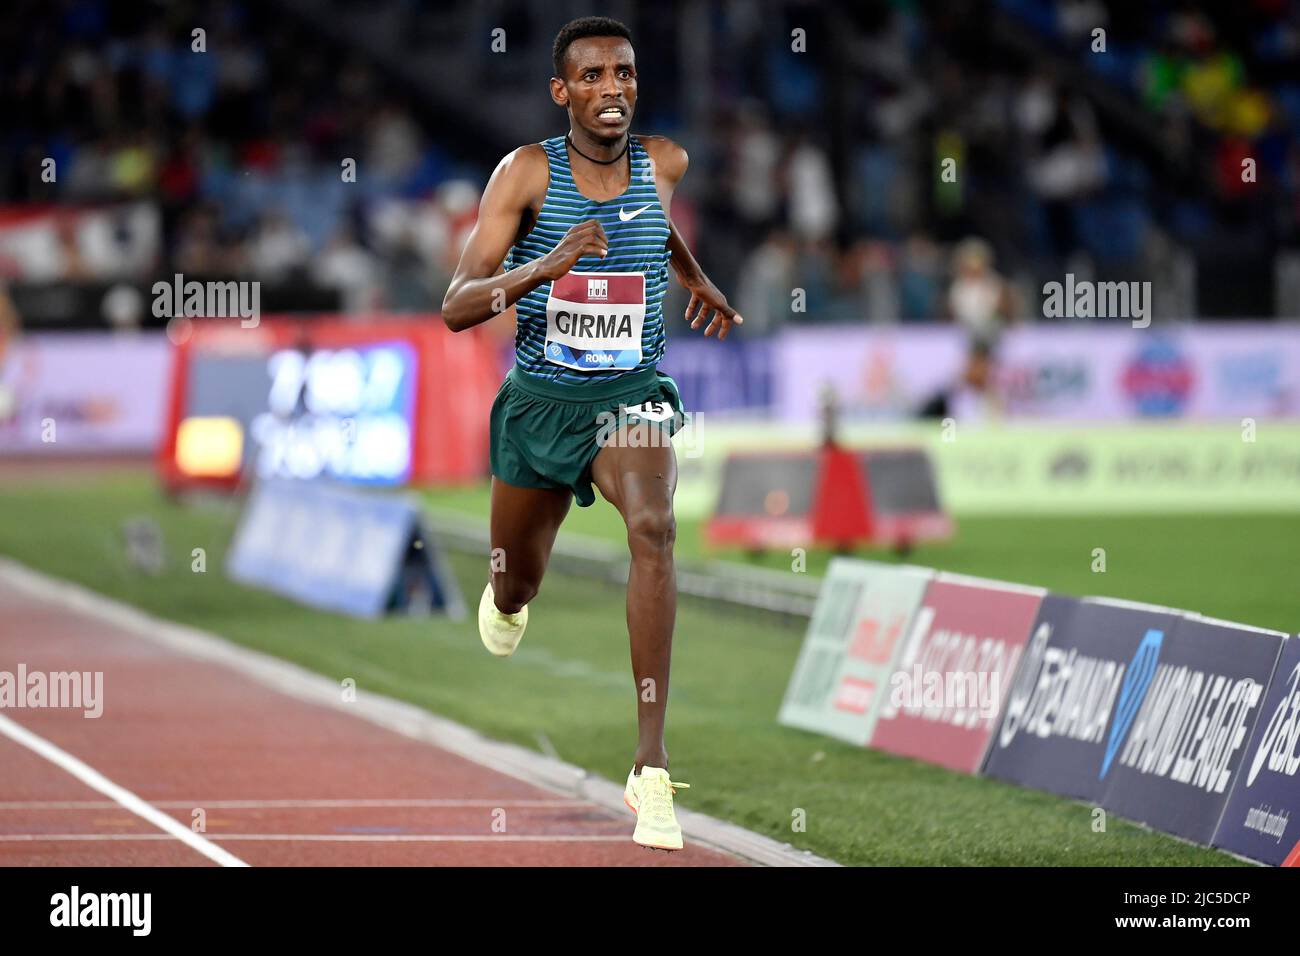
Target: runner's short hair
[{"x": 582, "y": 28}]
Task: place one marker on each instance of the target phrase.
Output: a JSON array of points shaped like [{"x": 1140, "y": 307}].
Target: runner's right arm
[{"x": 477, "y": 292}]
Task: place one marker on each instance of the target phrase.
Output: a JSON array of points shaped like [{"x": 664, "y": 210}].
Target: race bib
[{"x": 594, "y": 320}]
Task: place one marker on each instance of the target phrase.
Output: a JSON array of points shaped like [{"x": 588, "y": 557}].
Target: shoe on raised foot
[{"x": 500, "y": 632}]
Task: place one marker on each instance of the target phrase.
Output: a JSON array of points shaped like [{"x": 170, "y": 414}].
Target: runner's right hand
[{"x": 584, "y": 239}]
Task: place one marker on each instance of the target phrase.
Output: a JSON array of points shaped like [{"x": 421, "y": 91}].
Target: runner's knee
[{"x": 651, "y": 530}]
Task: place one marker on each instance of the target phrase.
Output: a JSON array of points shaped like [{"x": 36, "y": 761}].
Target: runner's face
[{"x": 599, "y": 86}]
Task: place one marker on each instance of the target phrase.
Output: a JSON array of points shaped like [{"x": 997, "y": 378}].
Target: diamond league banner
[
  {"x": 1084, "y": 656},
  {"x": 1186, "y": 742},
  {"x": 953, "y": 675},
  {"x": 1262, "y": 818},
  {"x": 841, "y": 678}
]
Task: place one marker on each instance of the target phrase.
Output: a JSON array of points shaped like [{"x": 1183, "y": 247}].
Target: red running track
[{"x": 279, "y": 781}]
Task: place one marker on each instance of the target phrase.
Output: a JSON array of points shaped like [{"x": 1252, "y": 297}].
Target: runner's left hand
[{"x": 706, "y": 300}]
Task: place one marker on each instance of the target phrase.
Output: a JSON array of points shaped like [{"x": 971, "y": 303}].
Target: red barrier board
[{"x": 955, "y": 671}]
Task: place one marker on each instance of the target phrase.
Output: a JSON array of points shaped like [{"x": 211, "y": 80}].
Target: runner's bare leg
[
  {"x": 639, "y": 482},
  {"x": 524, "y": 523}
]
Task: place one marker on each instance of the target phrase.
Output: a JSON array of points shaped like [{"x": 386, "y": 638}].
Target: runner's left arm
[{"x": 706, "y": 299}]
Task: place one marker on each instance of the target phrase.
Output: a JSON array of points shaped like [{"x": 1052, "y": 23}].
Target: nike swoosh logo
[{"x": 628, "y": 216}]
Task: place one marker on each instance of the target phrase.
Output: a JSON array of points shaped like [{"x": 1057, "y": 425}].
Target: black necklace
[{"x": 602, "y": 162}]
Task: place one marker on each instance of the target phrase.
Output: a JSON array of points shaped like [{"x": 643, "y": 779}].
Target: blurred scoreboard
[{"x": 384, "y": 403}]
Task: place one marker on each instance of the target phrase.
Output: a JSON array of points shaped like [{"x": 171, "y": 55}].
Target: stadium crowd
[{"x": 822, "y": 174}]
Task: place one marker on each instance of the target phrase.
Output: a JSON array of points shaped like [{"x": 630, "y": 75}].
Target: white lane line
[
  {"x": 322, "y": 838},
  {"x": 430, "y": 803},
  {"x": 120, "y": 795},
  {"x": 407, "y": 719}
]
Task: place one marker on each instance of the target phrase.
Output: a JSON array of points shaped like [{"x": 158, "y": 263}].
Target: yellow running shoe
[
  {"x": 650, "y": 796},
  {"x": 500, "y": 632}
]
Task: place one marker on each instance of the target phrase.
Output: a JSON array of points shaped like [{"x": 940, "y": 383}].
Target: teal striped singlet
[{"x": 583, "y": 327}]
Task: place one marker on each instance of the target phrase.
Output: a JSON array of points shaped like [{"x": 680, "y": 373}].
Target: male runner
[{"x": 575, "y": 233}]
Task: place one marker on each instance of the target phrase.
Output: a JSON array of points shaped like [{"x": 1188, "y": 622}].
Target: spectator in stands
[
  {"x": 115, "y": 95},
  {"x": 767, "y": 282},
  {"x": 72, "y": 264},
  {"x": 1078, "y": 18},
  {"x": 980, "y": 301},
  {"x": 755, "y": 156},
  {"x": 815, "y": 279},
  {"x": 344, "y": 265},
  {"x": 919, "y": 280},
  {"x": 199, "y": 249},
  {"x": 879, "y": 287},
  {"x": 810, "y": 192},
  {"x": 406, "y": 279},
  {"x": 1210, "y": 82},
  {"x": 1068, "y": 166},
  {"x": 392, "y": 144},
  {"x": 865, "y": 287},
  {"x": 278, "y": 249}
]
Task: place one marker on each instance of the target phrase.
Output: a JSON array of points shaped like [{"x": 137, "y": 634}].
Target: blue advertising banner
[
  {"x": 1081, "y": 680},
  {"x": 1262, "y": 817},
  {"x": 715, "y": 376},
  {"x": 340, "y": 549},
  {"x": 1187, "y": 737}
]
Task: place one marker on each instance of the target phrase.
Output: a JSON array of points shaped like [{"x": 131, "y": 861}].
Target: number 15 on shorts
[{"x": 651, "y": 411}]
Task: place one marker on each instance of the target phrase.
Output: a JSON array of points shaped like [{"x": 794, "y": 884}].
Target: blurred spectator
[
  {"x": 879, "y": 287},
  {"x": 1078, "y": 18},
  {"x": 199, "y": 250},
  {"x": 278, "y": 249},
  {"x": 1209, "y": 82},
  {"x": 919, "y": 280},
  {"x": 344, "y": 265},
  {"x": 1069, "y": 165},
  {"x": 813, "y": 205},
  {"x": 72, "y": 264},
  {"x": 407, "y": 280},
  {"x": 815, "y": 277},
  {"x": 756, "y": 153},
  {"x": 766, "y": 283},
  {"x": 980, "y": 300},
  {"x": 865, "y": 287},
  {"x": 848, "y": 285},
  {"x": 393, "y": 144}
]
